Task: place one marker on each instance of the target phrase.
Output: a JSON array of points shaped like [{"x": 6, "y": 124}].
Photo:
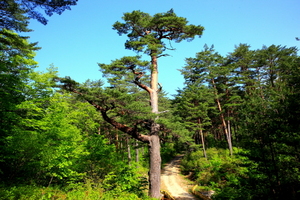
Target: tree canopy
[{"x": 146, "y": 32}]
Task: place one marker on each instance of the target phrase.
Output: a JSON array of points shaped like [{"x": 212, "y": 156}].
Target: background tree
[
  {"x": 256, "y": 90},
  {"x": 56, "y": 143},
  {"x": 267, "y": 114},
  {"x": 15, "y": 14},
  {"x": 208, "y": 69},
  {"x": 15, "y": 67},
  {"x": 195, "y": 101}
]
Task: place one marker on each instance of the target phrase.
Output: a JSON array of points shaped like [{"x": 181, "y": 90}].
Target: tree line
[{"x": 247, "y": 102}]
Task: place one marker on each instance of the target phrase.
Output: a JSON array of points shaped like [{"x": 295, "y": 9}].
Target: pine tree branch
[
  {"x": 137, "y": 79},
  {"x": 125, "y": 129},
  {"x": 133, "y": 132}
]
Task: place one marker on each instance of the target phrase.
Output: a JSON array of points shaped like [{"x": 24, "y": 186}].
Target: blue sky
[{"x": 77, "y": 40}]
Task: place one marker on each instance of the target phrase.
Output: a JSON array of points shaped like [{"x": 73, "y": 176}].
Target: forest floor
[{"x": 175, "y": 183}]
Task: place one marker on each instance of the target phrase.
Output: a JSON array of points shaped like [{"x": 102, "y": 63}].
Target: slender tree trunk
[
  {"x": 136, "y": 152},
  {"x": 117, "y": 142},
  {"x": 222, "y": 118},
  {"x": 202, "y": 138},
  {"x": 128, "y": 151},
  {"x": 203, "y": 144},
  {"x": 229, "y": 137},
  {"x": 154, "y": 85}
]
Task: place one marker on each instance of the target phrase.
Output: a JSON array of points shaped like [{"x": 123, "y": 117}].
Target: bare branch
[{"x": 160, "y": 87}]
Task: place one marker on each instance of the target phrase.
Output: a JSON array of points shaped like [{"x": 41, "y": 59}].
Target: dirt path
[{"x": 174, "y": 183}]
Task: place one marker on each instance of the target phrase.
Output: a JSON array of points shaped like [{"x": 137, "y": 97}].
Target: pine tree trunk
[
  {"x": 154, "y": 85},
  {"x": 117, "y": 142},
  {"x": 203, "y": 144},
  {"x": 228, "y": 138},
  {"x": 128, "y": 151},
  {"x": 136, "y": 152},
  {"x": 155, "y": 163},
  {"x": 202, "y": 138},
  {"x": 154, "y": 145}
]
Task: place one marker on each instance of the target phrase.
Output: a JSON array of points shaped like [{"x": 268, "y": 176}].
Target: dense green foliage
[
  {"x": 254, "y": 101},
  {"x": 237, "y": 118},
  {"x": 220, "y": 172},
  {"x": 54, "y": 146},
  {"x": 56, "y": 149}
]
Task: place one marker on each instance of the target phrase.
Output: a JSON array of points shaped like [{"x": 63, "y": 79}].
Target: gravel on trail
[{"x": 174, "y": 183}]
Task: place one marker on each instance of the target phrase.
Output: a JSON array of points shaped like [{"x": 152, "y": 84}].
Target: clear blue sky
[{"x": 79, "y": 39}]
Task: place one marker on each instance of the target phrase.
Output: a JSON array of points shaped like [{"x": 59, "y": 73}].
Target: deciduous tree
[{"x": 15, "y": 66}]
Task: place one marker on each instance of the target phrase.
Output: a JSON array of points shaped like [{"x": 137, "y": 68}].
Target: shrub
[{"x": 220, "y": 172}]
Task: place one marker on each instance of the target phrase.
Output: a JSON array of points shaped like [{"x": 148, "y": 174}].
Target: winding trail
[{"x": 173, "y": 182}]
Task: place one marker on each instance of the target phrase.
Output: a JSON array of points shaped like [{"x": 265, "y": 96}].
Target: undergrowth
[{"x": 219, "y": 172}]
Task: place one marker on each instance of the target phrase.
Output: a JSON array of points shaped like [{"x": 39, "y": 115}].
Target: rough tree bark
[
  {"x": 154, "y": 146},
  {"x": 154, "y": 142},
  {"x": 155, "y": 162}
]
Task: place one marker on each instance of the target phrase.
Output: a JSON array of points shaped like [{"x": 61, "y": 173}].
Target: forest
[{"x": 236, "y": 120}]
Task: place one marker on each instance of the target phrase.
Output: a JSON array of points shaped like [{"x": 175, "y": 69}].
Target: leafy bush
[
  {"x": 125, "y": 179},
  {"x": 220, "y": 172},
  {"x": 87, "y": 191}
]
